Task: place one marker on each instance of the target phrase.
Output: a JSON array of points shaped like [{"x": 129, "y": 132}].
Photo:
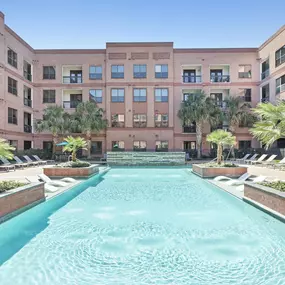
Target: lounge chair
[
  {"x": 48, "y": 187},
  {"x": 252, "y": 158},
  {"x": 19, "y": 161},
  {"x": 258, "y": 160},
  {"x": 241, "y": 178},
  {"x": 7, "y": 165},
  {"x": 29, "y": 160},
  {"x": 40, "y": 161},
  {"x": 269, "y": 160},
  {"x": 239, "y": 182},
  {"x": 46, "y": 179},
  {"x": 241, "y": 160},
  {"x": 7, "y": 162},
  {"x": 279, "y": 164}
]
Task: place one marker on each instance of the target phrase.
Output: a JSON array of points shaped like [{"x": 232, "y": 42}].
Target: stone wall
[
  {"x": 81, "y": 172},
  {"x": 266, "y": 196},
  {"x": 146, "y": 158},
  {"x": 20, "y": 198}
]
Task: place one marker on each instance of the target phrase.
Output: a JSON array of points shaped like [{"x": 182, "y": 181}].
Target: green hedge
[
  {"x": 8, "y": 185},
  {"x": 277, "y": 185}
]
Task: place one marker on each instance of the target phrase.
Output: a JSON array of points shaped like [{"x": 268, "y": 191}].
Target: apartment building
[{"x": 139, "y": 85}]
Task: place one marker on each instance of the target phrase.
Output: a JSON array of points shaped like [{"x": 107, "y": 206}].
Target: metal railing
[
  {"x": 244, "y": 74},
  {"x": 264, "y": 74},
  {"x": 70, "y": 104},
  {"x": 191, "y": 129},
  {"x": 192, "y": 79},
  {"x": 139, "y": 124},
  {"x": 220, "y": 78},
  {"x": 27, "y": 102},
  {"x": 72, "y": 79},
  {"x": 265, "y": 99},
  {"x": 27, "y": 128},
  {"x": 118, "y": 124},
  {"x": 163, "y": 124}
]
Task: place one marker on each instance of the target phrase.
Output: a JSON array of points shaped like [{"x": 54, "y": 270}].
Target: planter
[
  {"x": 267, "y": 196},
  {"x": 80, "y": 172},
  {"x": 211, "y": 172},
  {"x": 14, "y": 202}
]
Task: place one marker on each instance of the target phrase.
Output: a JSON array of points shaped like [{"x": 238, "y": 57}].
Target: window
[
  {"x": 189, "y": 145},
  {"x": 27, "y": 96},
  {"x": 12, "y": 116},
  {"x": 161, "y": 146},
  {"x": 48, "y": 72},
  {"x": 280, "y": 84},
  {"x": 12, "y": 86},
  {"x": 47, "y": 146},
  {"x": 118, "y": 121},
  {"x": 14, "y": 144},
  {"x": 95, "y": 72},
  {"x": 12, "y": 58},
  {"x": 161, "y": 71},
  {"x": 161, "y": 120},
  {"x": 280, "y": 56},
  {"x": 186, "y": 95},
  {"x": 117, "y": 71},
  {"x": 247, "y": 95},
  {"x": 118, "y": 145},
  {"x": 48, "y": 96},
  {"x": 27, "y": 122},
  {"x": 139, "y": 70},
  {"x": 27, "y": 145},
  {"x": 218, "y": 98},
  {"x": 118, "y": 95},
  {"x": 139, "y": 121},
  {"x": 265, "y": 93},
  {"x": 139, "y": 145},
  {"x": 189, "y": 76},
  {"x": 96, "y": 147},
  {"x": 139, "y": 95},
  {"x": 244, "y": 71},
  {"x": 95, "y": 95},
  {"x": 189, "y": 127},
  {"x": 161, "y": 95},
  {"x": 244, "y": 144},
  {"x": 265, "y": 69},
  {"x": 27, "y": 69}
]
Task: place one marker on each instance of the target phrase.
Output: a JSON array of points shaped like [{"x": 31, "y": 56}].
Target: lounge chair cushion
[{"x": 68, "y": 180}]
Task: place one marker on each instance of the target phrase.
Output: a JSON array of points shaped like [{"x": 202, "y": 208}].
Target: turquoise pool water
[{"x": 140, "y": 226}]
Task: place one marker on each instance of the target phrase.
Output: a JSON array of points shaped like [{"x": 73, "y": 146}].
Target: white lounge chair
[
  {"x": 40, "y": 161},
  {"x": 63, "y": 182},
  {"x": 48, "y": 187},
  {"x": 241, "y": 160},
  {"x": 239, "y": 182},
  {"x": 241, "y": 178},
  {"x": 28, "y": 159},
  {"x": 252, "y": 158},
  {"x": 7, "y": 165},
  {"x": 279, "y": 164},
  {"x": 258, "y": 160},
  {"x": 269, "y": 160}
]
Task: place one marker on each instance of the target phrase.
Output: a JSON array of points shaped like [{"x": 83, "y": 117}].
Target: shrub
[
  {"x": 214, "y": 164},
  {"x": 42, "y": 153},
  {"x": 74, "y": 164},
  {"x": 278, "y": 185},
  {"x": 8, "y": 185}
]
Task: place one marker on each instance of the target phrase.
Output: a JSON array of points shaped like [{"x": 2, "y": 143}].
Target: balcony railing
[
  {"x": 27, "y": 128},
  {"x": 244, "y": 74},
  {"x": 139, "y": 124},
  {"x": 265, "y": 99},
  {"x": 139, "y": 149},
  {"x": 70, "y": 104},
  {"x": 245, "y": 98},
  {"x": 27, "y": 102},
  {"x": 280, "y": 88},
  {"x": 161, "y": 124},
  {"x": 118, "y": 124},
  {"x": 192, "y": 79},
  {"x": 220, "y": 78},
  {"x": 264, "y": 74},
  {"x": 191, "y": 129},
  {"x": 72, "y": 79},
  {"x": 28, "y": 76}
]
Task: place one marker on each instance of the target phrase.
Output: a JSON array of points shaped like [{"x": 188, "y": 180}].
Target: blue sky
[{"x": 190, "y": 23}]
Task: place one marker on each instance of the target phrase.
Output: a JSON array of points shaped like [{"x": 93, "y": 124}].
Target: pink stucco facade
[{"x": 238, "y": 68}]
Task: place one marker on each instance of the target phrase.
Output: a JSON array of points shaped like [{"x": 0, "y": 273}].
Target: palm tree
[
  {"x": 237, "y": 112},
  {"x": 271, "y": 126},
  {"x": 56, "y": 121},
  {"x": 6, "y": 149},
  {"x": 89, "y": 119},
  {"x": 221, "y": 138},
  {"x": 200, "y": 109},
  {"x": 73, "y": 145}
]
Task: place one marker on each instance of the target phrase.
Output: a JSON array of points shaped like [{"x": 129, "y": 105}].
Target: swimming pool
[{"x": 143, "y": 226}]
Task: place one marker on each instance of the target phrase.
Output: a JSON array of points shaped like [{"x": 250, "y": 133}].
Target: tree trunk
[
  {"x": 232, "y": 129},
  {"x": 88, "y": 140},
  {"x": 199, "y": 138},
  {"x": 73, "y": 156},
  {"x": 219, "y": 154},
  {"x": 55, "y": 141}
]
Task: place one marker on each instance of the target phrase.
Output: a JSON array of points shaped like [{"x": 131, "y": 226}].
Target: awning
[{"x": 62, "y": 144}]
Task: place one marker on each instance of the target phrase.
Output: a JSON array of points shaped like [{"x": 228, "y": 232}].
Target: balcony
[
  {"x": 191, "y": 74},
  {"x": 161, "y": 124},
  {"x": 71, "y": 98},
  {"x": 70, "y": 104},
  {"x": 27, "y": 128},
  {"x": 219, "y": 73},
  {"x": 27, "y": 102},
  {"x": 244, "y": 75},
  {"x": 116, "y": 124},
  {"x": 189, "y": 129},
  {"x": 265, "y": 74},
  {"x": 220, "y": 78},
  {"x": 139, "y": 124},
  {"x": 72, "y": 74},
  {"x": 192, "y": 78}
]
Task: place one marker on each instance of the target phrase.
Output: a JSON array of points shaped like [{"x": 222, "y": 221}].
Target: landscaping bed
[
  {"x": 16, "y": 197},
  {"x": 211, "y": 170},
  {"x": 269, "y": 194}
]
